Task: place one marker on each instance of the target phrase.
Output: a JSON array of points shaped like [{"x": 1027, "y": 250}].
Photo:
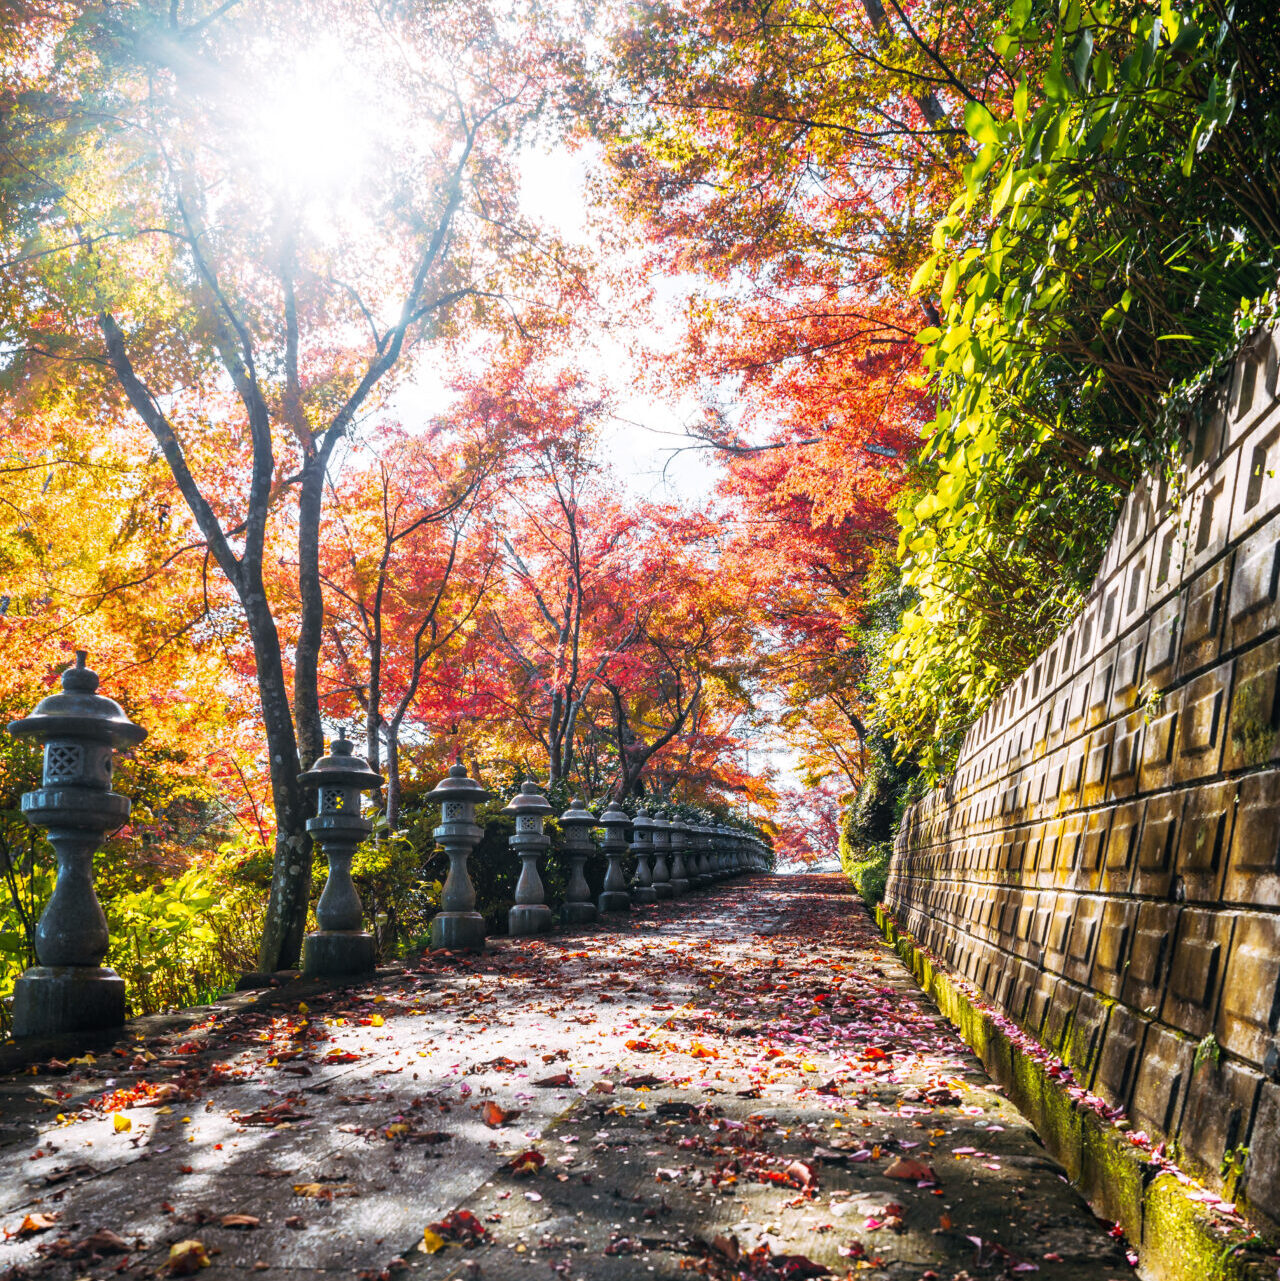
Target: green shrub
[{"x": 867, "y": 867}]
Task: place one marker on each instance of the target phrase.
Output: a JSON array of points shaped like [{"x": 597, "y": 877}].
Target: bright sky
[{"x": 640, "y": 439}]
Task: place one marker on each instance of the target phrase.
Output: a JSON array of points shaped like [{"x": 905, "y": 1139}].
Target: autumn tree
[{"x": 244, "y": 224}]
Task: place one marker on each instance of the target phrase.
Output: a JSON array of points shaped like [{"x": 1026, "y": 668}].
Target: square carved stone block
[
  {"x": 1159, "y": 741},
  {"x": 1253, "y": 721},
  {"x": 1203, "y": 842},
  {"x": 1250, "y": 1015},
  {"x": 1038, "y": 1004},
  {"x": 1098, "y": 695},
  {"x": 1257, "y": 492},
  {"x": 1134, "y": 582},
  {"x": 1164, "y": 632},
  {"x": 1111, "y": 953},
  {"x": 1097, "y": 766},
  {"x": 1253, "y": 866},
  {"x": 1121, "y": 853},
  {"x": 1202, "y": 624},
  {"x": 1160, "y": 1089},
  {"x": 1055, "y": 951},
  {"x": 1119, "y": 1056},
  {"x": 1161, "y": 823},
  {"x": 1086, "y": 869},
  {"x": 1082, "y": 1046},
  {"x": 1196, "y": 970},
  {"x": 1262, "y": 1167},
  {"x": 1126, "y": 755},
  {"x": 1202, "y": 727},
  {"x": 1149, "y": 956},
  {"x": 1082, "y": 938},
  {"x": 1060, "y": 1016},
  {"x": 1253, "y": 604}
]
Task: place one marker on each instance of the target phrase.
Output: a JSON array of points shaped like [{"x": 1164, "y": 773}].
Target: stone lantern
[
  {"x": 679, "y": 868},
  {"x": 531, "y": 915},
  {"x": 341, "y": 945},
  {"x": 642, "y": 890},
  {"x": 614, "y": 896},
  {"x": 577, "y": 821},
  {"x": 70, "y": 990},
  {"x": 660, "y": 834},
  {"x": 702, "y": 865},
  {"x": 458, "y": 926}
]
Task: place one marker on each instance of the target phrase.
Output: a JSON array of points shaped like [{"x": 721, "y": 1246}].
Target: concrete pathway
[{"x": 743, "y": 1083}]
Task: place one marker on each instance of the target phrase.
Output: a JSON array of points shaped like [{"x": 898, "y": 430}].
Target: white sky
[{"x": 638, "y": 442}]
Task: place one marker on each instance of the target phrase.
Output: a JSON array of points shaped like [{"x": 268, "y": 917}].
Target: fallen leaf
[
  {"x": 121, "y": 1123},
  {"x": 240, "y": 1221},
  {"x": 34, "y": 1223},
  {"x": 432, "y": 1241},
  {"x": 187, "y": 1258},
  {"x": 496, "y": 1115},
  {"x": 561, "y": 1080},
  {"x": 529, "y": 1162},
  {"x": 906, "y": 1167}
]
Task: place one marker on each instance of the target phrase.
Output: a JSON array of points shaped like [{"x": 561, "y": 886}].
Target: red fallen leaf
[
  {"x": 34, "y": 1223},
  {"x": 495, "y": 1115},
  {"x": 906, "y": 1167},
  {"x": 529, "y": 1162},
  {"x": 642, "y": 1082},
  {"x": 830, "y": 1088},
  {"x": 459, "y": 1225},
  {"x": 874, "y": 1052},
  {"x": 641, "y": 1047},
  {"x": 800, "y": 1174},
  {"x": 560, "y": 1080}
]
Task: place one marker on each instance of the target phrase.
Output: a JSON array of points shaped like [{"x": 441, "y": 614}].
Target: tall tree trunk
[
  {"x": 291, "y": 864},
  {"x": 306, "y": 661},
  {"x": 393, "y": 775}
]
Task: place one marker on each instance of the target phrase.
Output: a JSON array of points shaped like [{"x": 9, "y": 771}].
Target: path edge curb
[{"x": 1173, "y": 1236}]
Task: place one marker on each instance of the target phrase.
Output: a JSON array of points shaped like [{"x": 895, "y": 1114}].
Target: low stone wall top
[{"x": 1105, "y": 861}]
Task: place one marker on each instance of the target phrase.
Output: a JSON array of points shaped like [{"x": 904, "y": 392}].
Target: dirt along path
[{"x": 743, "y": 1083}]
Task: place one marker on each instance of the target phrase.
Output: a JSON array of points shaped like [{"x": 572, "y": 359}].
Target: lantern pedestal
[
  {"x": 51, "y": 999},
  {"x": 334, "y": 953},
  {"x": 529, "y": 918},
  {"x": 457, "y": 932}
]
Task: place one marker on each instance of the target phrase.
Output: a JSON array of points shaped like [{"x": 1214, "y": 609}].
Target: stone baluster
[
  {"x": 458, "y": 927},
  {"x": 70, "y": 990},
  {"x": 340, "y": 946},
  {"x": 702, "y": 876},
  {"x": 614, "y": 896},
  {"x": 642, "y": 890},
  {"x": 577, "y": 822},
  {"x": 530, "y": 915}
]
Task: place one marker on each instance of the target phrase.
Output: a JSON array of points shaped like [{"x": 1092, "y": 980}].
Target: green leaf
[
  {"x": 924, "y": 274},
  {"x": 1020, "y": 101},
  {"x": 1084, "y": 52},
  {"x": 979, "y": 123}
]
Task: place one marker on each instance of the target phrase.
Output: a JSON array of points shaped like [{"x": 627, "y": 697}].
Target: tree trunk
[
  {"x": 286, "y": 917},
  {"x": 306, "y": 661},
  {"x": 393, "y": 775}
]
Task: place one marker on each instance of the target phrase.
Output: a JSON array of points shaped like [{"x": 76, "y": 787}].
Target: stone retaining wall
[{"x": 1105, "y": 862}]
